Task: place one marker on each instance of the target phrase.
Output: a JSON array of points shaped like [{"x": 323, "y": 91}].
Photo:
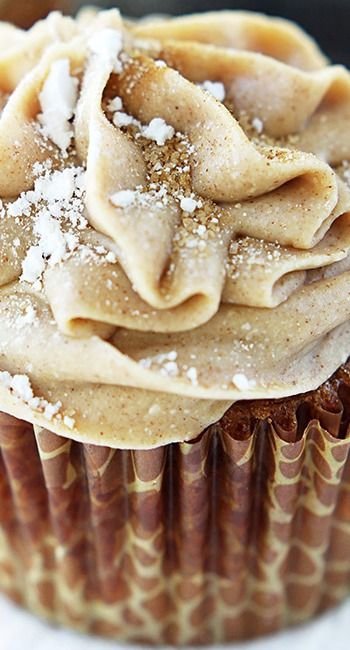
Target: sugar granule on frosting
[
  {"x": 258, "y": 125},
  {"x": 192, "y": 375},
  {"x": 58, "y": 99},
  {"x": 111, "y": 257},
  {"x": 215, "y": 88},
  {"x": 168, "y": 181},
  {"x": 21, "y": 387},
  {"x": 201, "y": 230},
  {"x": 123, "y": 198},
  {"x": 19, "y": 207},
  {"x": 158, "y": 130},
  {"x": 242, "y": 382},
  {"x": 140, "y": 197},
  {"x": 123, "y": 119},
  {"x": 166, "y": 363},
  {"x": 115, "y": 104},
  {"x": 188, "y": 204},
  {"x": 60, "y": 185},
  {"x": 50, "y": 410},
  {"x": 108, "y": 44},
  {"x": 57, "y": 203},
  {"x": 154, "y": 409},
  {"x": 69, "y": 422},
  {"x": 169, "y": 369},
  {"x": 120, "y": 118},
  {"x": 33, "y": 265}
]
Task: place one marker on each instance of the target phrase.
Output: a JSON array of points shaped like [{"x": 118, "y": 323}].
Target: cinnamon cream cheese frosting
[{"x": 174, "y": 221}]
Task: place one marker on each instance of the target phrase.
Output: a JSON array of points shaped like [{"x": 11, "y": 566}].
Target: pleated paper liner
[{"x": 240, "y": 533}]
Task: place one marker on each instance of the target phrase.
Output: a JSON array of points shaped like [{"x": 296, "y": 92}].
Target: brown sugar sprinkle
[
  {"x": 277, "y": 153},
  {"x": 169, "y": 175},
  {"x": 252, "y": 127},
  {"x": 169, "y": 165},
  {"x": 254, "y": 130},
  {"x": 135, "y": 69}
]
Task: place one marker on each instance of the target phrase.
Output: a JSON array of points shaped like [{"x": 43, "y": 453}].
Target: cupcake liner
[{"x": 241, "y": 532}]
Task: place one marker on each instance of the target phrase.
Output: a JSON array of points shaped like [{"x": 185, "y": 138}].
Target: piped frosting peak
[{"x": 174, "y": 221}]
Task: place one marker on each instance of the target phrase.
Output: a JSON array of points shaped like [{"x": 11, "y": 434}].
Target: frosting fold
[{"x": 166, "y": 251}]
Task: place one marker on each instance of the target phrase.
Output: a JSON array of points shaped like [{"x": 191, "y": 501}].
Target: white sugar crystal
[
  {"x": 242, "y": 382},
  {"x": 188, "y": 205},
  {"x": 124, "y": 198},
  {"x": 122, "y": 119},
  {"x": 215, "y": 88},
  {"x": 40, "y": 168},
  {"x": 57, "y": 198},
  {"x": 33, "y": 265},
  {"x": 145, "y": 363},
  {"x": 192, "y": 375},
  {"x": 19, "y": 207},
  {"x": 52, "y": 240},
  {"x": 258, "y": 125},
  {"x": 111, "y": 257},
  {"x": 170, "y": 369},
  {"x": 158, "y": 130},
  {"x": 166, "y": 360},
  {"x": 154, "y": 409},
  {"x": 5, "y": 378},
  {"x": 166, "y": 356},
  {"x": 160, "y": 64},
  {"x": 71, "y": 241},
  {"x": 69, "y": 422},
  {"x": 80, "y": 180},
  {"x": 20, "y": 385},
  {"x": 108, "y": 44},
  {"x": 115, "y": 104},
  {"x": 50, "y": 410},
  {"x": 58, "y": 186},
  {"x": 58, "y": 99},
  {"x": 201, "y": 230}
]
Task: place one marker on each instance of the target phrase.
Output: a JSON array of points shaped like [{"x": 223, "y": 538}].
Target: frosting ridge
[{"x": 174, "y": 230}]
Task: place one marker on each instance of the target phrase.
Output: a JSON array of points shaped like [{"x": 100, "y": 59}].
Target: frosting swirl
[{"x": 175, "y": 221}]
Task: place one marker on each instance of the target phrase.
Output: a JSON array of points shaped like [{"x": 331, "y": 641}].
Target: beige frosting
[{"x": 175, "y": 221}]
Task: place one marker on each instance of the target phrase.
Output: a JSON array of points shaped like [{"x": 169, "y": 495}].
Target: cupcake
[{"x": 174, "y": 325}]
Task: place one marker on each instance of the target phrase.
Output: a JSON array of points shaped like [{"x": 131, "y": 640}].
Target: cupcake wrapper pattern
[{"x": 239, "y": 533}]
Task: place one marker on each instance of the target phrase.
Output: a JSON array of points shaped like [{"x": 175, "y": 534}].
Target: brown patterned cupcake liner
[{"x": 239, "y": 533}]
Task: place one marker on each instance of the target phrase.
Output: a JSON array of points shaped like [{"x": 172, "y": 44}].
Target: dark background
[{"x": 327, "y": 20}]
